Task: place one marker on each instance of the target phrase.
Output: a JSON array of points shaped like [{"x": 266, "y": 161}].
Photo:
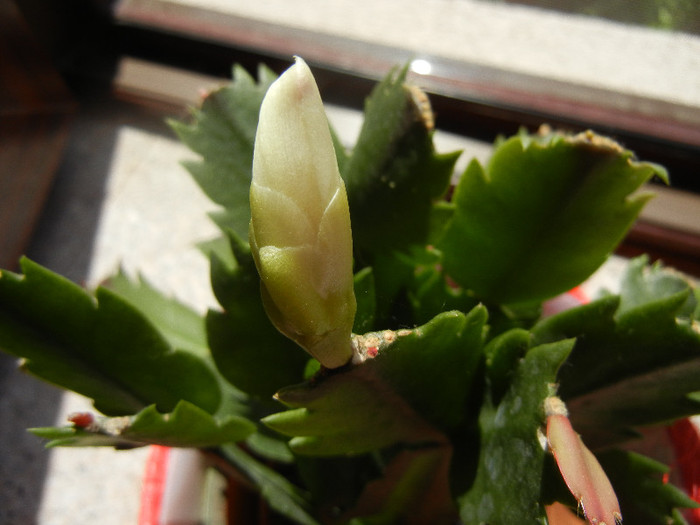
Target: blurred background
[{"x": 89, "y": 170}]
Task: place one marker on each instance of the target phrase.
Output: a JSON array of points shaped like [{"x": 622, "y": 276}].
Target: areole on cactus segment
[{"x": 300, "y": 221}]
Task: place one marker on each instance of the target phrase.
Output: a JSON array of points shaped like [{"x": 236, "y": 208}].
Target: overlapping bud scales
[{"x": 300, "y": 228}]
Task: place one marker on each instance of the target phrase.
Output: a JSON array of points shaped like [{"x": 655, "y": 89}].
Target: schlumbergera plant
[{"x": 432, "y": 389}]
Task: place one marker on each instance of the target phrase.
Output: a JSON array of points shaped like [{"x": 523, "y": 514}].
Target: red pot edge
[{"x": 154, "y": 480}]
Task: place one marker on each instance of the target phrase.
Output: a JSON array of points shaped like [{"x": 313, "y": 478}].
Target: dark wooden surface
[
  {"x": 676, "y": 248},
  {"x": 35, "y": 111}
]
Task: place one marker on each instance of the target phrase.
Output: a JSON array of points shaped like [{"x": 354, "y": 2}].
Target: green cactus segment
[
  {"x": 542, "y": 215},
  {"x": 417, "y": 382},
  {"x": 86, "y": 344},
  {"x": 642, "y": 359},
  {"x": 433, "y": 366},
  {"x": 502, "y": 354},
  {"x": 507, "y": 487},
  {"x": 223, "y": 133},
  {"x": 186, "y": 426},
  {"x": 643, "y": 284},
  {"x": 246, "y": 348},
  {"x": 394, "y": 174},
  {"x": 182, "y": 326},
  {"x": 347, "y": 413}
]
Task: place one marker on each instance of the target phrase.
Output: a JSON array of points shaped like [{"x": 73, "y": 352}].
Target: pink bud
[{"x": 579, "y": 467}]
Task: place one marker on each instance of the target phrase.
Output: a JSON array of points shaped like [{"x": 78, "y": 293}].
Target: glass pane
[{"x": 676, "y": 15}]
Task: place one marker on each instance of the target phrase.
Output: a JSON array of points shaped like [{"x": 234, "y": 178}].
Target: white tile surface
[{"x": 582, "y": 50}]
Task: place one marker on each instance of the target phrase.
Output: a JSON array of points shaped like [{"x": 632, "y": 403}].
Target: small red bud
[{"x": 81, "y": 419}]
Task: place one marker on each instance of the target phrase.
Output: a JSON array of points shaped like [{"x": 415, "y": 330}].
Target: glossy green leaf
[
  {"x": 394, "y": 174},
  {"x": 417, "y": 378},
  {"x": 542, "y": 215},
  {"x": 101, "y": 346},
  {"x": 223, "y": 133},
  {"x": 507, "y": 487},
  {"x": 347, "y": 413},
  {"x": 433, "y": 367},
  {"x": 186, "y": 426}
]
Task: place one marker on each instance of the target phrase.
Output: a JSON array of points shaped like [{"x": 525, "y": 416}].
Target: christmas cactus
[{"x": 380, "y": 353}]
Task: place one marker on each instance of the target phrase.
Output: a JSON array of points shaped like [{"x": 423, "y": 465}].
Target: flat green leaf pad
[
  {"x": 542, "y": 215},
  {"x": 100, "y": 347},
  {"x": 410, "y": 381},
  {"x": 511, "y": 457},
  {"x": 186, "y": 426}
]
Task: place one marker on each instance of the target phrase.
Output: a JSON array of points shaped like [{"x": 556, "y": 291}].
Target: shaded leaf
[
  {"x": 641, "y": 364},
  {"x": 644, "y": 495},
  {"x": 409, "y": 379},
  {"x": 270, "y": 447},
  {"x": 507, "y": 487},
  {"x": 100, "y": 347},
  {"x": 414, "y": 489},
  {"x": 186, "y": 328},
  {"x": 393, "y": 274},
  {"x": 221, "y": 247},
  {"x": 429, "y": 291},
  {"x": 247, "y": 349},
  {"x": 282, "y": 496},
  {"x": 347, "y": 413},
  {"x": 336, "y": 482},
  {"x": 542, "y": 215},
  {"x": 186, "y": 426},
  {"x": 366, "y": 301},
  {"x": 394, "y": 174},
  {"x": 502, "y": 356}
]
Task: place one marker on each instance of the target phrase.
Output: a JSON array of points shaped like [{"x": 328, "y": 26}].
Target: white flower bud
[{"x": 300, "y": 226}]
